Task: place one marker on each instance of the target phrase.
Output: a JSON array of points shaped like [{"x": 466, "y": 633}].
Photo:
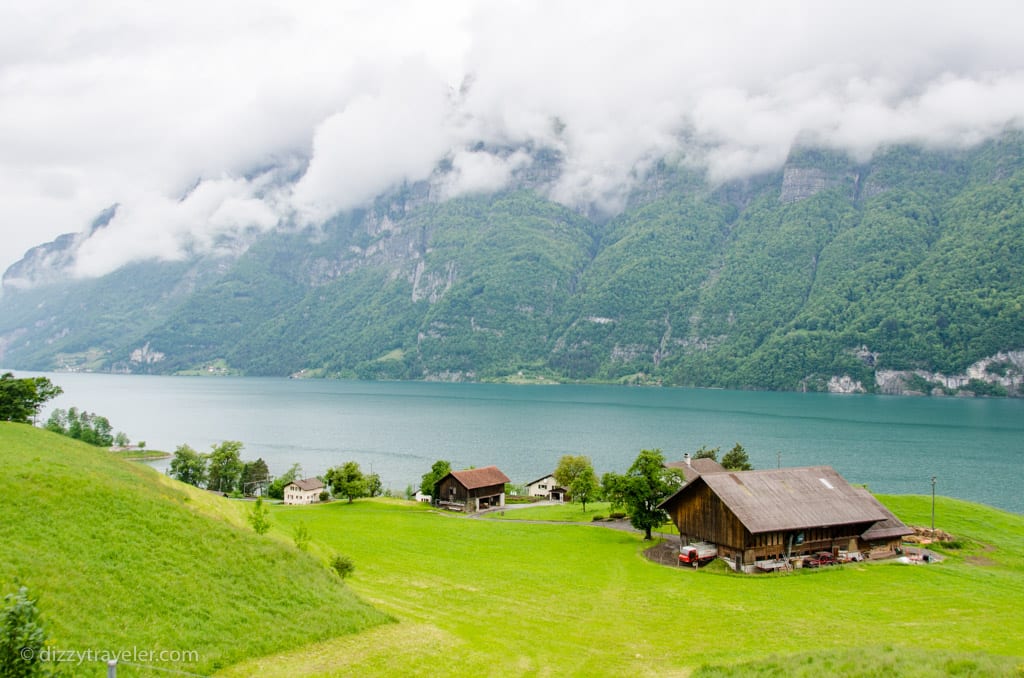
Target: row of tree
[
  {"x": 222, "y": 469},
  {"x": 85, "y": 426}
]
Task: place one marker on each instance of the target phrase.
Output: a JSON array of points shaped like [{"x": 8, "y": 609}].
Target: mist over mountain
[{"x": 900, "y": 272}]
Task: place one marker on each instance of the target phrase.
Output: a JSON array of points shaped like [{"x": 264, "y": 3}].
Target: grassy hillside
[
  {"x": 121, "y": 557},
  {"x": 486, "y": 596}
]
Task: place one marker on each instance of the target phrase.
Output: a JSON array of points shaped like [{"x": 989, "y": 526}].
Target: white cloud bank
[{"x": 103, "y": 102}]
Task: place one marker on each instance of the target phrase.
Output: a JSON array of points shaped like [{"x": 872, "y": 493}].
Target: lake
[{"x": 974, "y": 447}]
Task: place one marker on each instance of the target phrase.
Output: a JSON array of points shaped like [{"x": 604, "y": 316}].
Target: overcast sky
[{"x": 142, "y": 103}]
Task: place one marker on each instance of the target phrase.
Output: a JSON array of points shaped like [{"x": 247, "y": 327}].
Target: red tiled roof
[{"x": 480, "y": 477}]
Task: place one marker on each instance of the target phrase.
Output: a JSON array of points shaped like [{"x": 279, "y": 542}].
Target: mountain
[{"x": 901, "y": 273}]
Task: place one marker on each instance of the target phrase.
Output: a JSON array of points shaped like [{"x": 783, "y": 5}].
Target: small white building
[
  {"x": 546, "y": 487},
  {"x": 305, "y": 491},
  {"x": 419, "y": 496}
]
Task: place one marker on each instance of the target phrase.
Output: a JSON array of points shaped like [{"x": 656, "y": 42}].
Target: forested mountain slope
[{"x": 896, "y": 274}]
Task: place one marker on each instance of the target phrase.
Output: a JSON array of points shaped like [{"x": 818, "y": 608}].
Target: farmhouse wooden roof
[
  {"x": 788, "y": 499},
  {"x": 307, "y": 484},
  {"x": 696, "y": 467},
  {"x": 884, "y": 529},
  {"x": 480, "y": 477}
]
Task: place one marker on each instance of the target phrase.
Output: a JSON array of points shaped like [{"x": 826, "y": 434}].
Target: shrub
[
  {"x": 343, "y": 565},
  {"x": 597, "y": 518},
  {"x": 617, "y": 515},
  {"x": 22, "y": 637}
]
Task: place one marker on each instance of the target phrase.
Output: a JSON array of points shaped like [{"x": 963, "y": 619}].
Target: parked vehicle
[
  {"x": 850, "y": 556},
  {"x": 820, "y": 558},
  {"x": 697, "y": 553}
]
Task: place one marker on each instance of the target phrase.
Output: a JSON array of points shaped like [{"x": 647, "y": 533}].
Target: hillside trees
[
  {"x": 188, "y": 466},
  {"x": 85, "y": 426},
  {"x": 20, "y": 399}
]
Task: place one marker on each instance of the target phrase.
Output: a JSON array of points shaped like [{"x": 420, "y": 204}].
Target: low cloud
[{"x": 266, "y": 113}]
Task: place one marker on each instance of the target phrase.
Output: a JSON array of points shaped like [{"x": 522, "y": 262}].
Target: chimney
[{"x": 686, "y": 458}]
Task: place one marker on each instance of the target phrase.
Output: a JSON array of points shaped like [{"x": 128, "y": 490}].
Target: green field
[
  {"x": 118, "y": 554},
  {"x": 123, "y": 558}
]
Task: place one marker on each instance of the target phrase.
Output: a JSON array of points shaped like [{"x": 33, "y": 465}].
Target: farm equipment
[{"x": 697, "y": 553}]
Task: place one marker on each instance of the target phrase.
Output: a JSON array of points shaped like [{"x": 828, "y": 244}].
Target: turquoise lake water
[{"x": 974, "y": 447}]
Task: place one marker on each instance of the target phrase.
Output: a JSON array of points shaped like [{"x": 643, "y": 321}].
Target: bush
[
  {"x": 597, "y": 518},
  {"x": 22, "y": 636},
  {"x": 343, "y": 565},
  {"x": 617, "y": 515}
]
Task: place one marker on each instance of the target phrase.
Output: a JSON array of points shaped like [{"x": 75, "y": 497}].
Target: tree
[
  {"x": 255, "y": 475},
  {"x": 22, "y": 637},
  {"x": 374, "y": 487},
  {"x": 188, "y": 466},
  {"x": 705, "y": 453},
  {"x": 224, "y": 467},
  {"x": 20, "y": 399},
  {"x": 644, "y": 486},
  {"x": 736, "y": 459},
  {"x": 259, "y": 517},
  {"x": 439, "y": 470},
  {"x": 276, "y": 489},
  {"x": 347, "y": 481},
  {"x": 584, "y": 487},
  {"x": 570, "y": 466}
]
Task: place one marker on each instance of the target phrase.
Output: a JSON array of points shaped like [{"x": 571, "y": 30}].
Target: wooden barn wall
[
  {"x": 445, "y": 487},
  {"x": 702, "y": 516},
  {"x": 488, "y": 491}
]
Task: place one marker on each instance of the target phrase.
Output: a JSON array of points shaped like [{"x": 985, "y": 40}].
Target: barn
[
  {"x": 760, "y": 518},
  {"x": 472, "y": 490}
]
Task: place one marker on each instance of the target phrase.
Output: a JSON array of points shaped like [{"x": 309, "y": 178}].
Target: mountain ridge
[{"x": 829, "y": 274}]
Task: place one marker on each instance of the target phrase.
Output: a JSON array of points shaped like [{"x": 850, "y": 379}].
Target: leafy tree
[
  {"x": 613, "y": 490},
  {"x": 20, "y": 399},
  {"x": 569, "y": 467},
  {"x": 584, "y": 487},
  {"x": 276, "y": 489},
  {"x": 188, "y": 466},
  {"x": 224, "y": 466},
  {"x": 439, "y": 470},
  {"x": 705, "y": 453},
  {"x": 22, "y": 637},
  {"x": 374, "y": 487},
  {"x": 255, "y": 474},
  {"x": 259, "y": 517},
  {"x": 121, "y": 440},
  {"x": 736, "y": 459},
  {"x": 347, "y": 481},
  {"x": 643, "y": 487}
]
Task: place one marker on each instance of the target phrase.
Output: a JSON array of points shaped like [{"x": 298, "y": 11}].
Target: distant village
[{"x": 752, "y": 520}]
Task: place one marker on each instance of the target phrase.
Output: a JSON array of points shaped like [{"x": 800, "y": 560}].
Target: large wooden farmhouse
[
  {"x": 768, "y": 516},
  {"x": 472, "y": 490}
]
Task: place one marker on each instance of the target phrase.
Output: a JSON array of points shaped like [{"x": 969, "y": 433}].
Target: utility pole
[
  {"x": 779, "y": 459},
  {"x": 933, "y": 506}
]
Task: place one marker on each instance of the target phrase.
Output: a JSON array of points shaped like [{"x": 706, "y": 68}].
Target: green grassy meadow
[
  {"x": 119, "y": 555},
  {"x": 579, "y": 599}
]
